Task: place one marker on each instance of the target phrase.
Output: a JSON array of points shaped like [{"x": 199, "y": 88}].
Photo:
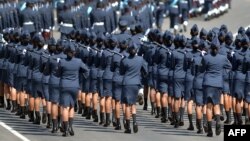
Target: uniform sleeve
[
  {"x": 84, "y": 69},
  {"x": 17, "y": 57},
  {"x": 113, "y": 64},
  {"x": 172, "y": 64},
  {"x": 122, "y": 69},
  {"x": 31, "y": 63},
  {"x": 157, "y": 57},
  {"x": 187, "y": 61},
  {"x": 227, "y": 64},
  {"x": 103, "y": 61},
  {"x": 47, "y": 69},
  {"x": 144, "y": 69}
]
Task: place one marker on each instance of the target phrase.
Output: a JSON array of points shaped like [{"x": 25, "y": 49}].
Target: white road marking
[
  {"x": 235, "y": 34},
  {"x": 14, "y": 131}
]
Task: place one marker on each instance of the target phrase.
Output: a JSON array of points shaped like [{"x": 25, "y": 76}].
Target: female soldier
[
  {"x": 189, "y": 58},
  {"x": 100, "y": 46},
  {"x": 246, "y": 70},
  {"x": 177, "y": 59},
  {"x": 54, "y": 90},
  {"x": 37, "y": 76},
  {"x": 228, "y": 96},
  {"x": 93, "y": 89},
  {"x": 198, "y": 72},
  {"x": 106, "y": 59},
  {"x": 163, "y": 64},
  {"x": 131, "y": 67},
  {"x": 22, "y": 70},
  {"x": 45, "y": 81},
  {"x": 214, "y": 64},
  {"x": 117, "y": 80},
  {"x": 68, "y": 71},
  {"x": 239, "y": 78}
]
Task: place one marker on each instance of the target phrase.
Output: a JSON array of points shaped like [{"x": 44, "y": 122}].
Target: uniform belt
[
  {"x": 98, "y": 24},
  {"x": 28, "y": 23},
  {"x": 67, "y": 25}
]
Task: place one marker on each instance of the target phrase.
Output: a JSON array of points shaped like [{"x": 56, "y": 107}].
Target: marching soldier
[
  {"x": 66, "y": 21},
  {"x": 246, "y": 70},
  {"x": 214, "y": 64},
  {"x": 34, "y": 65},
  {"x": 68, "y": 71},
  {"x": 239, "y": 78},
  {"x": 98, "y": 19},
  {"x": 47, "y": 19},
  {"x": 198, "y": 71},
  {"x": 131, "y": 67},
  {"x": 54, "y": 90},
  {"x": 117, "y": 80},
  {"x": 28, "y": 18},
  {"x": 22, "y": 70}
]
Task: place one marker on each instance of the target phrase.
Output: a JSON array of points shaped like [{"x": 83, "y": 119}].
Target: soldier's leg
[
  {"x": 49, "y": 118},
  {"x": 204, "y": 111},
  {"x": 248, "y": 116},
  {"x": 18, "y": 99},
  {"x": 222, "y": 107},
  {"x": 234, "y": 110},
  {"x": 190, "y": 114},
  {"x": 108, "y": 100},
  {"x": 198, "y": 110},
  {"x": 113, "y": 112},
  {"x": 145, "y": 93},
  {"x": 31, "y": 108},
  {"x": 135, "y": 125},
  {"x": 15, "y": 101},
  {"x": 182, "y": 111},
  {"x": 44, "y": 113},
  {"x": 22, "y": 103},
  {"x": 71, "y": 119},
  {"x": 102, "y": 110},
  {"x": 54, "y": 113},
  {"x": 117, "y": 114},
  {"x": 127, "y": 117},
  {"x": 95, "y": 105},
  {"x": 7, "y": 95},
  {"x": 83, "y": 103},
  {"x": 228, "y": 102},
  {"x": 209, "y": 111},
  {"x": 217, "y": 113},
  {"x": 87, "y": 104},
  {"x": 79, "y": 101},
  {"x": 239, "y": 111},
  {"x": 37, "y": 110},
  {"x": 246, "y": 110},
  {"x": 158, "y": 104},
  {"x": 152, "y": 100},
  {"x": 65, "y": 118},
  {"x": 164, "y": 105}
]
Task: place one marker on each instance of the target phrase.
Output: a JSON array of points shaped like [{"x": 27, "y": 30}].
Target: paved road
[{"x": 149, "y": 128}]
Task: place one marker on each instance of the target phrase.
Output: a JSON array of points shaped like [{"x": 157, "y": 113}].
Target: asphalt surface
[{"x": 149, "y": 128}]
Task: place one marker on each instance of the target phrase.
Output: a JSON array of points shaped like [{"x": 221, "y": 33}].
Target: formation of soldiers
[
  {"x": 91, "y": 69},
  {"x": 38, "y": 15}
]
